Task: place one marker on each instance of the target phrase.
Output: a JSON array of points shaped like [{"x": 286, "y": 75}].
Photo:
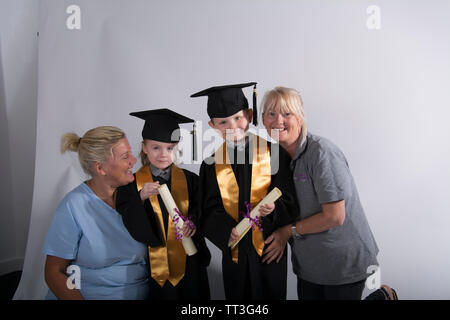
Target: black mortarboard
[
  {"x": 160, "y": 125},
  {"x": 224, "y": 101}
]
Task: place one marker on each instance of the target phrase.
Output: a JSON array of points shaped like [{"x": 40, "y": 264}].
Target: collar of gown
[
  {"x": 163, "y": 173},
  {"x": 239, "y": 145}
]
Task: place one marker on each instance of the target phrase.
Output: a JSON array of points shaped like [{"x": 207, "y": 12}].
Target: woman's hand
[
  {"x": 266, "y": 209},
  {"x": 149, "y": 189},
  {"x": 277, "y": 240}
]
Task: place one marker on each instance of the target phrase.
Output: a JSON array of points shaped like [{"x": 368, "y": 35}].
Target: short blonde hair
[
  {"x": 96, "y": 145},
  {"x": 289, "y": 100}
]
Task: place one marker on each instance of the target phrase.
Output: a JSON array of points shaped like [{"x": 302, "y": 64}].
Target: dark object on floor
[
  {"x": 382, "y": 294},
  {"x": 8, "y": 284}
]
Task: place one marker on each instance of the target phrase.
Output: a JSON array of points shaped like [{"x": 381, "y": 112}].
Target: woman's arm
[
  {"x": 332, "y": 215},
  {"x": 56, "y": 278}
]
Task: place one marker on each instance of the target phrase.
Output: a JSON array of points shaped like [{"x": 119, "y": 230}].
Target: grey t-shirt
[{"x": 341, "y": 254}]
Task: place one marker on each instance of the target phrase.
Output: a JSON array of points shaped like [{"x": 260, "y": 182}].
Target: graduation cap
[
  {"x": 160, "y": 125},
  {"x": 224, "y": 101}
]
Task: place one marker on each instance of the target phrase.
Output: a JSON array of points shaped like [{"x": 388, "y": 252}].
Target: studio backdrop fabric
[{"x": 374, "y": 80}]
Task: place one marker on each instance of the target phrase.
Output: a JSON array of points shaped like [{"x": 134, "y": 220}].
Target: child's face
[
  {"x": 160, "y": 154},
  {"x": 232, "y": 128}
]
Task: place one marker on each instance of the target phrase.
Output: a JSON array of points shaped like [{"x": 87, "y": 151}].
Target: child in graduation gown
[
  {"x": 173, "y": 274},
  {"x": 235, "y": 179}
]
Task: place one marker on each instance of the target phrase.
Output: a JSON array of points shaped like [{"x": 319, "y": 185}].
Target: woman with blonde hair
[
  {"x": 332, "y": 244},
  {"x": 87, "y": 233}
]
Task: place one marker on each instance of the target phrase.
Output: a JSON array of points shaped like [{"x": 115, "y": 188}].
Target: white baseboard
[{"x": 10, "y": 265}]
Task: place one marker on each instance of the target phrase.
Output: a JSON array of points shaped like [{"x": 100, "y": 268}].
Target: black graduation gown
[
  {"x": 249, "y": 278},
  {"x": 141, "y": 222}
]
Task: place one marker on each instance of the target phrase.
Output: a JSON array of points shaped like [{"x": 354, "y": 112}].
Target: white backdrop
[
  {"x": 18, "y": 105},
  {"x": 380, "y": 94}
]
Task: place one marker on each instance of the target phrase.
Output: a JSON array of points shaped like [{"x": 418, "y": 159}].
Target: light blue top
[{"x": 89, "y": 232}]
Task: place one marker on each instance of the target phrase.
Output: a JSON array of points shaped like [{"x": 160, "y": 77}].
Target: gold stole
[
  {"x": 167, "y": 262},
  {"x": 229, "y": 189}
]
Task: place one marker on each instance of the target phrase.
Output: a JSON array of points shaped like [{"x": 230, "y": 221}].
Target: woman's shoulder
[
  {"x": 319, "y": 148},
  {"x": 316, "y": 142},
  {"x": 79, "y": 193},
  {"x": 72, "y": 200}
]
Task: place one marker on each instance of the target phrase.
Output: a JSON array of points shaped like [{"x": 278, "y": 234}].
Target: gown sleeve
[
  {"x": 286, "y": 208},
  {"x": 195, "y": 214},
  {"x": 215, "y": 222},
  {"x": 141, "y": 225},
  {"x": 64, "y": 233},
  {"x": 194, "y": 197}
]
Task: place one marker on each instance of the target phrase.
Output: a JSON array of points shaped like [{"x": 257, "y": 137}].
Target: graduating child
[
  {"x": 237, "y": 177},
  {"x": 174, "y": 274}
]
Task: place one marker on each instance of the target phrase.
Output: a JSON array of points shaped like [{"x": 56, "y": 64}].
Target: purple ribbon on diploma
[
  {"x": 186, "y": 219},
  {"x": 254, "y": 222}
]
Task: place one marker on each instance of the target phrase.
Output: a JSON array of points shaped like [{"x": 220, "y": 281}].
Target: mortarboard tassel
[
  {"x": 255, "y": 111},
  {"x": 194, "y": 143}
]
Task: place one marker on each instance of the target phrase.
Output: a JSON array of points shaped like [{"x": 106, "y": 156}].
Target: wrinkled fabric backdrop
[{"x": 373, "y": 80}]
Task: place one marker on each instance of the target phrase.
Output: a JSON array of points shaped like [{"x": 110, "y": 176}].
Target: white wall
[
  {"x": 381, "y": 95},
  {"x": 18, "y": 102}
]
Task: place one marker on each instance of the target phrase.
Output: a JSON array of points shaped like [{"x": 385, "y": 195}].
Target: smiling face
[
  {"x": 234, "y": 127},
  {"x": 118, "y": 167},
  {"x": 283, "y": 127},
  {"x": 160, "y": 154},
  {"x": 283, "y": 115}
]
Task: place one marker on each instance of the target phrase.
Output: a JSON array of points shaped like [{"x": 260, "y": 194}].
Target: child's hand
[
  {"x": 234, "y": 235},
  {"x": 187, "y": 231},
  {"x": 266, "y": 209},
  {"x": 149, "y": 189}
]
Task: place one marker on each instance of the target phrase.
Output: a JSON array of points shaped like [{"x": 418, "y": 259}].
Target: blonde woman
[
  {"x": 332, "y": 245},
  {"x": 88, "y": 233}
]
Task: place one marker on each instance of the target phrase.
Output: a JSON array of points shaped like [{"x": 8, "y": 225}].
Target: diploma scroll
[
  {"x": 245, "y": 224},
  {"x": 172, "y": 209}
]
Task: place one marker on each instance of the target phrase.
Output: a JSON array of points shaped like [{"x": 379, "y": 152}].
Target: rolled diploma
[
  {"x": 243, "y": 226},
  {"x": 170, "y": 204}
]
